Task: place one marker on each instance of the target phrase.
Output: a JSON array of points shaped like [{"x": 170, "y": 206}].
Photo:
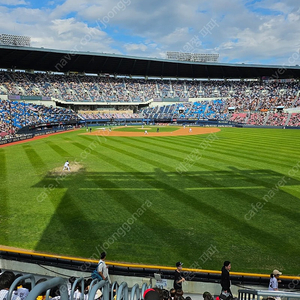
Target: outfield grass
[{"x": 130, "y": 198}]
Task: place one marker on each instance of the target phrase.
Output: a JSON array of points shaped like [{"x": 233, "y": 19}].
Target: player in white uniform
[{"x": 66, "y": 166}]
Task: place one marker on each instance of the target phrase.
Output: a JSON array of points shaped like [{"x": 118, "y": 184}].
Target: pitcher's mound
[{"x": 74, "y": 168}]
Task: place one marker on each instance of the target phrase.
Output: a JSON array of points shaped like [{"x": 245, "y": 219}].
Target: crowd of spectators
[
  {"x": 251, "y": 102},
  {"x": 23, "y": 288},
  {"x": 243, "y": 95},
  {"x": 200, "y": 110},
  {"x": 217, "y": 110},
  {"x": 16, "y": 114},
  {"x": 95, "y": 115},
  {"x": 294, "y": 120}
]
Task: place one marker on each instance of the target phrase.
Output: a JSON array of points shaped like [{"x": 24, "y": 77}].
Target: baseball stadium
[{"x": 196, "y": 162}]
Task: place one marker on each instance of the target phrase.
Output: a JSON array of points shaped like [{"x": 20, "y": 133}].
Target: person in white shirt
[
  {"x": 273, "y": 284},
  {"x": 66, "y": 166},
  {"x": 102, "y": 268},
  {"x": 6, "y": 280}
]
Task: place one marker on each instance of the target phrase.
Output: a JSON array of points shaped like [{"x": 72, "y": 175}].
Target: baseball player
[{"x": 66, "y": 166}]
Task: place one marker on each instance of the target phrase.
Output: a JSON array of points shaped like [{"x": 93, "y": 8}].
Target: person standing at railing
[
  {"x": 178, "y": 278},
  {"x": 225, "y": 278},
  {"x": 102, "y": 268},
  {"x": 273, "y": 285}
]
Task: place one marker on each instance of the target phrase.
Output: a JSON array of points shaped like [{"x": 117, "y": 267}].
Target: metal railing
[
  {"x": 49, "y": 284},
  {"x": 18, "y": 280},
  {"x": 260, "y": 294},
  {"x": 108, "y": 291},
  {"x": 105, "y": 291},
  {"x": 76, "y": 282}
]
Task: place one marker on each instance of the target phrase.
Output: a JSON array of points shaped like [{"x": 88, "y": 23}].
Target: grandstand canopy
[{"x": 40, "y": 59}]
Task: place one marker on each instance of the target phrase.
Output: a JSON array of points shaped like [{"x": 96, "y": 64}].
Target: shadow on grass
[{"x": 143, "y": 212}]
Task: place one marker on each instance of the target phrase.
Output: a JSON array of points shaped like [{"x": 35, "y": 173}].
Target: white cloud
[
  {"x": 266, "y": 30},
  {"x": 13, "y": 2},
  {"x": 134, "y": 47}
]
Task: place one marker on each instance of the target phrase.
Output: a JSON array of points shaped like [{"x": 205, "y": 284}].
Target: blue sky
[{"x": 241, "y": 31}]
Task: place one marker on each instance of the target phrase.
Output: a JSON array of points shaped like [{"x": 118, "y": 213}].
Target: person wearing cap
[
  {"x": 178, "y": 278},
  {"x": 273, "y": 285},
  {"x": 225, "y": 277},
  {"x": 151, "y": 294}
]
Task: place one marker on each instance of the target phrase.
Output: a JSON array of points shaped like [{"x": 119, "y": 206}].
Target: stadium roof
[{"x": 40, "y": 59}]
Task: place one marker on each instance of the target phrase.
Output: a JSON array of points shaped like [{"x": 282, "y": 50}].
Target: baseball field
[{"x": 157, "y": 198}]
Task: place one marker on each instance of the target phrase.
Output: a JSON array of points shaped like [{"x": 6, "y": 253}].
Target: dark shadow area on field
[{"x": 80, "y": 212}]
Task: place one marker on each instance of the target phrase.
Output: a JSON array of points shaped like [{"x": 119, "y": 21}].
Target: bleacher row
[
  {"x": 217, "y": 110},
  {"x": 108, "y": 116},
  {"x": 267, "y": 118},
  {"x": 15, "y": 115},
  {"x": 25, "y": 287},
  {"x": 246, "y": 95},
  {"x": 214, "y": 109}
]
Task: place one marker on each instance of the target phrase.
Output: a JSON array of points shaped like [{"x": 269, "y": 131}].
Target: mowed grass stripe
[
  {"x": 206, "y": 161},
  {"x": 151, "y": 219},
  {"x": 158, "y": 148},
  {"x": 161, "y": 189},
  {"x": 247, "y": 179},
  {"x": 265, "y": 142},
  {"x": 179, "y": 160},
  {"x": 256, "y": 181},
  {"x": 34, "y": 158},
  {"x": 110, "y": 160},
  {"x": 203, "y": 162},
  {"x": 4, "y": 211},
  {"x": 259, "y": 132},
  {"x": 242, "y": 196},
  {"x": 144, "y": 155},
  {"x": 139, "y": 175},
  {"x": 258, "y": 145},
  {"x": 244, "y": 154},
  {"x": 229, "y": 220},
  {"x": 268, "y": 153},
  {"x": 235, "y": 144},
  {"x": 59, "y": 150},
  {"x": 145, "y": 158},
  {"x": 176, "y": 194},
  {"x": 67, "y": 221},
  {"x": 264, "y": 153},
  {"x": 155, "y": 153}
]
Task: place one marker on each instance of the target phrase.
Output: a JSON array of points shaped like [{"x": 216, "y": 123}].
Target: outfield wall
[
  {"x": 16, "y": 139},
  {"x": 198, "y": 280}
]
